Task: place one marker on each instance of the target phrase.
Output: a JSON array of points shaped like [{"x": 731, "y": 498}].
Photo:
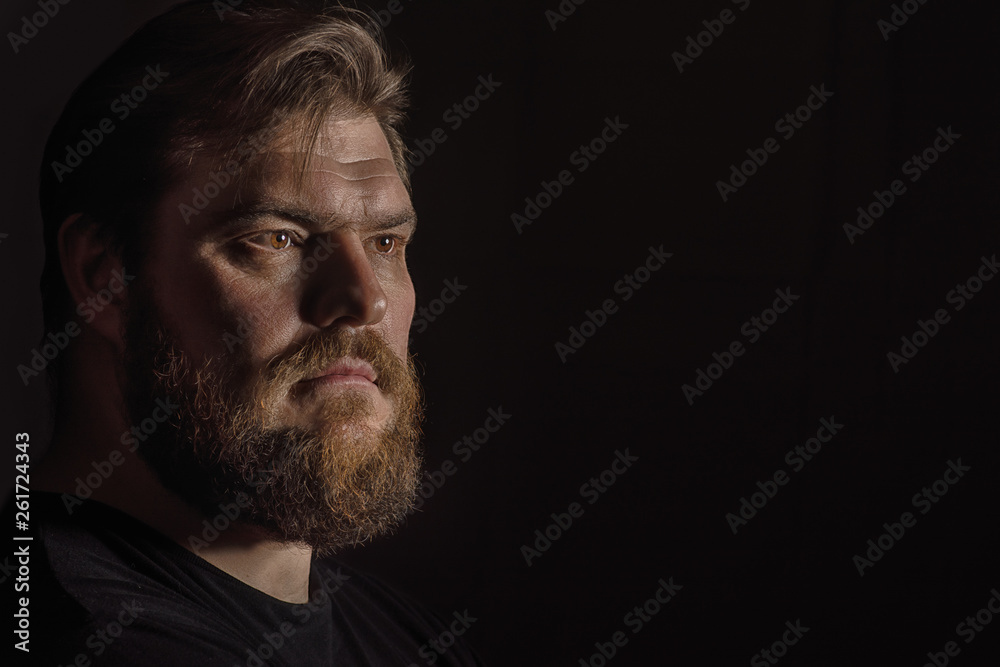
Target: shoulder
[{"x": 106, "y": 587}]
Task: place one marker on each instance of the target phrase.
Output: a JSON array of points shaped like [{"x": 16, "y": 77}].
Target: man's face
[{"x": 278, "y": 318}]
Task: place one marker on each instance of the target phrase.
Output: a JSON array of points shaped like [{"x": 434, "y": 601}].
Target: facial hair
[{"x": 335, "y": 485}]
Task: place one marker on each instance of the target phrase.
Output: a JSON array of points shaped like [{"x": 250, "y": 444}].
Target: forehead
[
  {"x": 344, "y": 140},
  {"x": 349, "y": 169},
  {"x": 347, "y": 176}
]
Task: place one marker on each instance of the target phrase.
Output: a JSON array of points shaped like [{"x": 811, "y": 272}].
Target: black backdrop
[{"x": 494, "y": 346}]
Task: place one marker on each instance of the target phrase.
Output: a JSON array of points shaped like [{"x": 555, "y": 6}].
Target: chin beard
[{"x": 223, "y": 444}]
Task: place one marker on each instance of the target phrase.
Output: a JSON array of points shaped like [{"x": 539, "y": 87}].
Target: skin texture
[
  {"x": 221, "y": 271},
  {"x": 241, "y": 265}
]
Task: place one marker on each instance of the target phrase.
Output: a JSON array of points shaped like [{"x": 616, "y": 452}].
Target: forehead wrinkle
[
  {"x": 349, "y": 170},
  {"x": 329, "y": 158},
  {"x": 335, "y": 181},
  {"x": 329, "y": 193},
  {"x": 359, "y": 178}
]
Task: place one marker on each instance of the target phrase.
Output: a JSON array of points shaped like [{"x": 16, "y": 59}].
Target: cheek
[
  {"x": 260, "y": 319},
  {"x": 399, "y": 314},
  {"x": 216, "y": 314},
  {"x": 188, "y": 296},
  {"x": 263, "y": 328}
]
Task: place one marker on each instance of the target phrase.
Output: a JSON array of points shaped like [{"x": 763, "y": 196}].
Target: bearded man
[{"x": 227, "y": 211}]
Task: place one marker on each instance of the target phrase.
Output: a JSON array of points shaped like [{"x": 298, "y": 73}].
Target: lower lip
[{"x": 343, "y": 381}]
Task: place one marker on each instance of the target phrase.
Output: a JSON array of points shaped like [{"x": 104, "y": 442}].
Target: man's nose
[{"x": 343, "y": 290}]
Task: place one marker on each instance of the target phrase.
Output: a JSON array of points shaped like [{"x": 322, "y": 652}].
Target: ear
[{"x": 94, "y": 275}]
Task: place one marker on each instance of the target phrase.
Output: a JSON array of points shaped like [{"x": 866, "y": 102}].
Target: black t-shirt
[{"x": 106, "y": 589}]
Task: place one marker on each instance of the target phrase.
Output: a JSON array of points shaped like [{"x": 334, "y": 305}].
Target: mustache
[{"x": 315, "y": 354}]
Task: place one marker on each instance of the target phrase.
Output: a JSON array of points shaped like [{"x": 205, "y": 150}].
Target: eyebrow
[{"x": 246, "y": 214}]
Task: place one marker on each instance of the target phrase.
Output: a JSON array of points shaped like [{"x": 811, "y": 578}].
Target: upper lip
[{"x": 348, "y": 367}]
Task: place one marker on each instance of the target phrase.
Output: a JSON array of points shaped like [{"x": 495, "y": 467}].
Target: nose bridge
[{"x": 344, "y": 288}]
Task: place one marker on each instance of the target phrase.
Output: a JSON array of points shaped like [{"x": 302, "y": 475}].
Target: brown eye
[
  {"x": 280, "y": 240},
  {"x": 385, "y": 244}
]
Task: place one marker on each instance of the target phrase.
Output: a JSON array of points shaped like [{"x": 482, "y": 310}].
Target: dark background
[{"x": 825, "y": 357}]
